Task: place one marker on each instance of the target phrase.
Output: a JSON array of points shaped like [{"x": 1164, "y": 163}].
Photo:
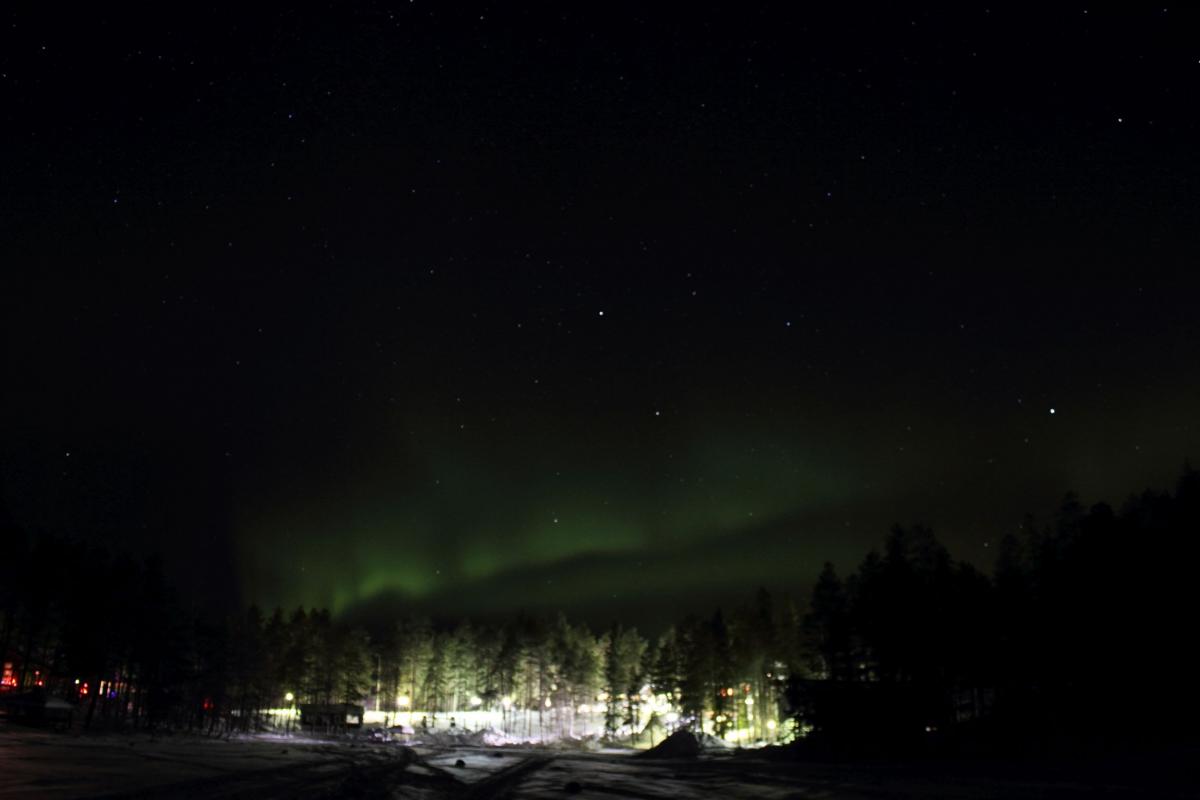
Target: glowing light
[
  {"x": 506, "y": 702},
  {"x": 771, "y": 725},
  {"x": 289, "y": 697},
  {"x": 476, "y": 701},
  {"x": 403, "y": 701},
  {"x": 749, "y": 701},
  {"x": 547, "y": 703}
]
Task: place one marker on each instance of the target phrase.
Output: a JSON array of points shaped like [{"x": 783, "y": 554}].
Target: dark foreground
[{"x": 36, "y": 764}]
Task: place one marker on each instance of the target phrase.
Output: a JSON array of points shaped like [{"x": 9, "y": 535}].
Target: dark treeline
[
  {"x": 1081, "y": 634},
  {"x": 1077, "y": 634}
]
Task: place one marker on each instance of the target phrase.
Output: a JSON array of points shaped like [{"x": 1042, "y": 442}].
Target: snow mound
[
  {"x": 586, "y": 744},
  {"x": 487, "y": 737},
  {"x": 494, "y": 738},
  {"x": 680, "y": 744},
  {"x": 709, "y": 742},
  {"x": 455, "y": 738}
]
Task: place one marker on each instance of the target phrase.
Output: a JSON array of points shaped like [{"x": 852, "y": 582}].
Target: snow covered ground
[{"x": 38, "y": 764}]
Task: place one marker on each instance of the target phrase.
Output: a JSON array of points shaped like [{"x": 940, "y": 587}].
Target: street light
[{"x": 290, "y": 699}]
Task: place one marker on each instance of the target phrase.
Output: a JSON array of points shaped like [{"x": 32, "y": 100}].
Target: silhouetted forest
[
  {"x": 1079, "y": 636},
  {"x": 1080, "y": 633}
]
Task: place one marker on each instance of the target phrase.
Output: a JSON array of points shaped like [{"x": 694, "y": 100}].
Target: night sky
[{"x": 479, "y": 309}]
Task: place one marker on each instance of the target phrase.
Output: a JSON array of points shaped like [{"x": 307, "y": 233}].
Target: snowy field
[{"x": 38, "y": 764}]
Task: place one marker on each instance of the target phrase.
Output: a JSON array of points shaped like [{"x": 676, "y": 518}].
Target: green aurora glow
[{"x": 482, "y": 524}]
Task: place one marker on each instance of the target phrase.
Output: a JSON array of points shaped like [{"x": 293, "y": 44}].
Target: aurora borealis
[{"x": 476, "y": 310}]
